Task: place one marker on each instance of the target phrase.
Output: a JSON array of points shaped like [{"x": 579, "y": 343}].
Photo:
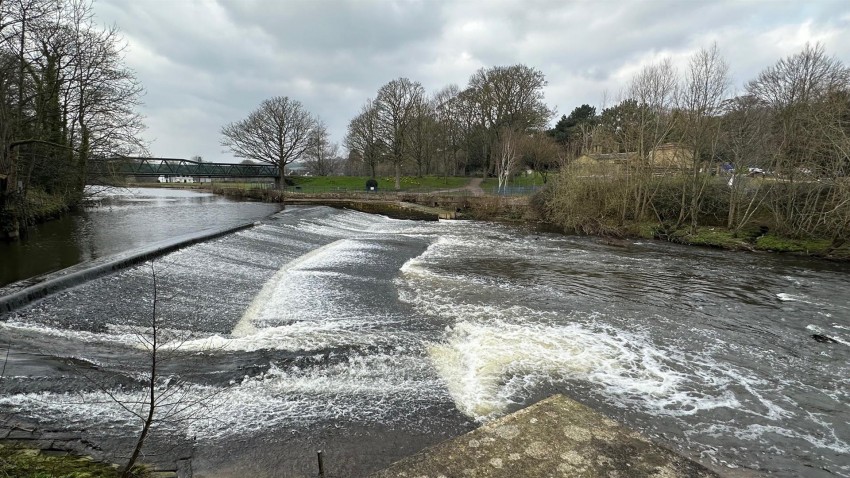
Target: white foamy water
[
  {"x": 364, "y": 389},
  {"x": 268, "y": 301},
  {"x": 834, "y": 334},
  {"x": 116, "y": 335},
  {"x": 785, "y": 297},
  {"x": 498, "y": 352},
  {"x": 301, "y": 337},
  {"x": 489, "y": 366}
]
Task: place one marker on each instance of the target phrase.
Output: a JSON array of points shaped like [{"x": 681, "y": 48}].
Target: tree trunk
[
  {"x": 279, "y": 181},
  {"x": 397, "y": 176},
  {"x": 151, "y": 387}
]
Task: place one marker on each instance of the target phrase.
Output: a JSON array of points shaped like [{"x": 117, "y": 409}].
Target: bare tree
[
  {"x": 746, "y": 142},
  {"x": 807, "y": 93},
  {"x": 164, "y": 399},
  {"x": 506, "y": 98},
  {"x": 364, "y": 137},
  {"x": 654, "y": 88},
  {"x": 421, "y": 139},
  {"x": 541, "y": 154},
  {"x": 801, "y": 78},
  {"x": 278, "y": 133},
  {"x": 507, "y": 154},
  {"x": 66, "y": 97},
  {"x": 510, "y": 96},
  {"x": 653, "y": 91},
  {"x": 701, "y": 100},
  {"x": 448, "y": 128},
  {"x": 396, "y": 106},
  {"x": 322, "y": 156}
]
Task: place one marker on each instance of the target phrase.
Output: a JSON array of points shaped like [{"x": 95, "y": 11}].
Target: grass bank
[
  {"x": 21, "y": 462},
  {"x": 809, "y": 218},
  {"x": 725, "y": 239},
  {"x": 537, "y": 209},
  {"x": 753, "y": 239}
]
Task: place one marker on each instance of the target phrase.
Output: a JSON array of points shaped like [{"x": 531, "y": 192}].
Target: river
[
  {"x": 371, "y": 338},
  {"x": 120, "y": 220}
]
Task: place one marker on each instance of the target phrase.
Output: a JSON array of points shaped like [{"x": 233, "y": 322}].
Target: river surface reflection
[{"x": 120, "y": 220}]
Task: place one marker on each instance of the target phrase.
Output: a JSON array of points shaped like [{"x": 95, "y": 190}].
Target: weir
[
  {"x": 378, "y": 338},
  {"x": 391, "y": 208},
  {"x": 246, "y": 325},
  {"x": 40, "y": 287}
]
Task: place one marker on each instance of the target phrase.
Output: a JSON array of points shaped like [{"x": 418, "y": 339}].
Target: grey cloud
[
  {"x": 206, "y": 62},
  {"x": 355, "y": 26}
]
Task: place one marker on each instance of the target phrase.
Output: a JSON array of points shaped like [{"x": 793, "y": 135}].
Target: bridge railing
[
  {"x": 178, "y": 167},
  {"x": 512, "y": 190}
]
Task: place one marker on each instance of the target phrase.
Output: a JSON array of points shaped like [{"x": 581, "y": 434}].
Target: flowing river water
[{"x": 371, "y": 338}]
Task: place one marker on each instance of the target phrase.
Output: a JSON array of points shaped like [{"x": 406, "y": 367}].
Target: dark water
[
  {"x": 371, "y": 338},
  {"x": 120, "y": 220}
]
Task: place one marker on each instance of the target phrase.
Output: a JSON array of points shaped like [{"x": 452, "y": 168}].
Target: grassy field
[{"x": 520, "y": 180}]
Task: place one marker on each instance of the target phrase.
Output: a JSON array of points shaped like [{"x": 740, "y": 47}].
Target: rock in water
[{"x": 824, "y": 339}]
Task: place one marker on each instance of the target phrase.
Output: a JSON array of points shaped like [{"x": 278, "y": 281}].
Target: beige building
[
  {"x": 671, "y": 155},
  {"x": 665, "y": 156}
]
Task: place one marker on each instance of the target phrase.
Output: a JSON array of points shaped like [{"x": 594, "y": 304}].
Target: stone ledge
[{"x": 557, "y": 437}]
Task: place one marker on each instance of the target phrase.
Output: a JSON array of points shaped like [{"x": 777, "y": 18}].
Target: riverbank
[
  {"x": 27, "y": 451},
  {"x": 530, "y": 211},
  {"x": 38, "y": 207},
  {"x": 23, "y": 462},
  {"x": 750, "y": 240},
  {"x": 493, "y": 208}
]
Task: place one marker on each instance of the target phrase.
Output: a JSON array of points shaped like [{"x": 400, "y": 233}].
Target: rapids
[{"x": 372, "y": 338}]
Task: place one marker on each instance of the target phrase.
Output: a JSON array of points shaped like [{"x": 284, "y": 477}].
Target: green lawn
[{"x": 522, "y": 180}]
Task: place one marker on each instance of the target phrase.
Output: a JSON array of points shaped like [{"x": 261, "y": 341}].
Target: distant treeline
[{"x": 678, "y": 149}]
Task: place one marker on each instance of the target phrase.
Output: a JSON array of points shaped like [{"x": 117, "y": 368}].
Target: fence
[{"x": 512, "y": 190}]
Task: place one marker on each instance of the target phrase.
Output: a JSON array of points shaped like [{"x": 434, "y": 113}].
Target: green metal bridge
[{"x": 126, "y": 166}]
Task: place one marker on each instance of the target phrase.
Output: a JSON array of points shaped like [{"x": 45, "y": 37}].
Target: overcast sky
[{"x": 205, "y": 63}]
